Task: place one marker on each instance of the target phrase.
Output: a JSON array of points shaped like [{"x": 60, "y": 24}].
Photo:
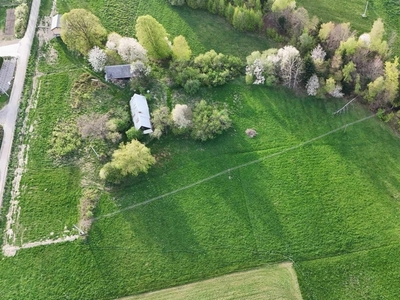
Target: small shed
[
  {"x": 140, "y": 113},
  {"x": 118, "y": 72},
  {"x": 56, "y": 25}
]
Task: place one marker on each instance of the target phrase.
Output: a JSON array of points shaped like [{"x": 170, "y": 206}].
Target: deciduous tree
[
  {"x": 153, "y": 36},
  {"x": 182, "y": 116},
  {"x": 291, "y": 66},
  {"x": 81, "y": 30},
  {"x": 129, "y": 159},
  {"x": 97, "y": 58},
  {"x": 181, "y": 49},
  {"x": 208, "y": 121},
  {"x": 131, "y": 50}
]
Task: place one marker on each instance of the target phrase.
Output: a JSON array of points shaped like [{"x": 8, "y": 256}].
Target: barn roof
[
  {"x": 140, "y": 113},
  {"x": 56, "y": 22},
  {"x": 118, "y": 72}
]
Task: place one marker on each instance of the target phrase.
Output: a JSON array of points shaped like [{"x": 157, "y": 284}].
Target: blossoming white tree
[
  {"x": 318, "y": 54},
  {"x": 182, "y": 116},
  {"x": 138, "y": 69},
  {"x": 291, "y": 65},
  {"x": 97, "y": 59},
  {"x": 113, "y": 41},
  {"x": 261, "y": 67},
  {"x": 312, "y": 85},
  {"x": 130, "y": 50}
]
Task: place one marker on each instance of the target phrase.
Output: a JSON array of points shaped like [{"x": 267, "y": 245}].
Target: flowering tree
[
  {"x": 130, "y": 50},
  {"x": 97, "y": 58},
  {"x": 333, "y": 89},
  {"x": 261, "y": 67},
  {"x": 312, "y": 85},
  {"x": 113, "y": 41},
  {"x": 139, "y": 69},
  {"x": 318, "y": 54},
  {"x": 291, "y": 65},
  {"x": 182, "y": 116}
]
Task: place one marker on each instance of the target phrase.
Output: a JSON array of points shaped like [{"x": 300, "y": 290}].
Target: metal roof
[
  {"x": 140, "y": 113},
  {"x": 118, "y": 72},
  {"x": 56, "y": 22}
]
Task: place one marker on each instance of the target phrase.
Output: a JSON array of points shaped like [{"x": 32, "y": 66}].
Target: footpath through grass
[{"x": 270, "y": 282}]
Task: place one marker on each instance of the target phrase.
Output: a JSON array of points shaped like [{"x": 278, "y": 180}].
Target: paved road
[
  {"x": 9, "y": 50},
  {"x": 9, "y": 116}
]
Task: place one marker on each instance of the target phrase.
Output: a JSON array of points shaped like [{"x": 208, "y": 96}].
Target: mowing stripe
[{"x": 230, "y": 169}]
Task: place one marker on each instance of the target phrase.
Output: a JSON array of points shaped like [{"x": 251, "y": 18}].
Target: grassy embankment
[{"x": 328, "y": 205}]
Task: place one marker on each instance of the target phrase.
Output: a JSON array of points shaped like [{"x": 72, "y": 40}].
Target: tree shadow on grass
[{"x": 225, "y": 38}]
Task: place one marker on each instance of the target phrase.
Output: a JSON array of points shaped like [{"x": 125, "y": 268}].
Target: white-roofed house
[
  {"x": 140, "y": 113},
  {"x": 56, "y": 25}
]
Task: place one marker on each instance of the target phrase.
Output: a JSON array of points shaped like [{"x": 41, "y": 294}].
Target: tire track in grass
[{"x": 231, "y": 169}]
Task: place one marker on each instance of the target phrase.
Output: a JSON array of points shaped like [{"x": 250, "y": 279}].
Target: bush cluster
[
  {"x": 208, "y": 69},
  {"x": 21, "y": 20}
]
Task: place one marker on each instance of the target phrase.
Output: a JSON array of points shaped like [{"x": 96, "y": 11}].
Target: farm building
[
  {"x": 56, "y": 25},
  {"x": 140, "y": 113},
  {"x": 118, "y": 72}
]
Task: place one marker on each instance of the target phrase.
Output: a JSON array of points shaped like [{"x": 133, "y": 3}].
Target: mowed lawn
[
  {"x": 308, "y": 188},
  {"x": 271, "y": 282}
]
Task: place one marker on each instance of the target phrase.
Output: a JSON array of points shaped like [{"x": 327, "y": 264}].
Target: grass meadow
[
  {"x": 314, "y": 191},
  {"x": 271, "y": 282}
]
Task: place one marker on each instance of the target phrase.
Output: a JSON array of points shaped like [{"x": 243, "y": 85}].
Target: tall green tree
[
  {"x": 181, "y": 49},
  {"x": 129, "y": 159},
  {"x": 153, "y": 36},
  {"x": 81, "y": 30}
]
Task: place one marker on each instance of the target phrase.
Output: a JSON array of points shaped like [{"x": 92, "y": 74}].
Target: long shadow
[{"x": 225, "y": 38}]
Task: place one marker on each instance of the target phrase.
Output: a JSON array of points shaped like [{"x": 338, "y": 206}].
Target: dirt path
[{"x": 10, "y": 250}]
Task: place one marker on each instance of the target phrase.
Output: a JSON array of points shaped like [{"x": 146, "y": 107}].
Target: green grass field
[
  {"x": 270, "y": 282},
  {"x": 330, "y": 204},
  {"x": 202, "y": 30}
]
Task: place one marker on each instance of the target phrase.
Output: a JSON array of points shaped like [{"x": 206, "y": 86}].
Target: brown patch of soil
[{"x": 10, "y": 20}]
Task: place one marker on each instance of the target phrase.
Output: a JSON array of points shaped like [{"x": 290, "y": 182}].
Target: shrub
[
  {"x": 134, "y": 134},
  {"x": 129, "y": 159},
  {"x": 251, "y": 133},
  {"x": 21, "y": 19},
  {"x": 209, "y": 69},
  {"x": 65, "y": 139},
  {"x": 208, "y": 121},
  {"x": 192, "y": 86},
  {"x": 161, "y": 121}
]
